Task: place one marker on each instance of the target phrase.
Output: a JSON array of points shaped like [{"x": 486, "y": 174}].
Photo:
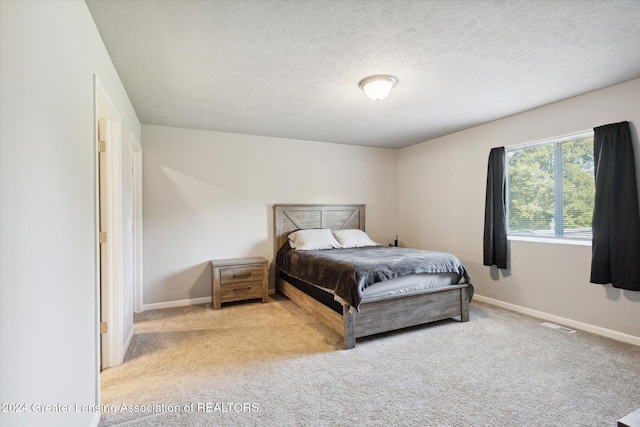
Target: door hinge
[
  {"x": 103, "y": 237},
  {"x": 102, "y": 146},
  {"x": 104, "y": 328}
]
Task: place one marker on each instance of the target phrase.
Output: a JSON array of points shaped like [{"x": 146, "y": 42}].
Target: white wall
[
  {"x": 209, "y": 195},
  {"x": 442, "y": 191},
  {"x": 50, "y": 53}
]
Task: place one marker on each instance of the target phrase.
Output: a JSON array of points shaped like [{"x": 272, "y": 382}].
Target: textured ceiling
[{"x": 291, "y": 68}]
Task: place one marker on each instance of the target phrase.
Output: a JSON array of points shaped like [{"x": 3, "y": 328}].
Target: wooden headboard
[{"x": 288, "y": 218}]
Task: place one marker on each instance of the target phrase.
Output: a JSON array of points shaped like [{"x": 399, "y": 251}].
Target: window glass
[{"x": 550, "y": 188}]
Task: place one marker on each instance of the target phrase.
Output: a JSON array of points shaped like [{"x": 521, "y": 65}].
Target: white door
[
  {"x": 105, "y": 248},
  {"x": 109, "y": 230}
]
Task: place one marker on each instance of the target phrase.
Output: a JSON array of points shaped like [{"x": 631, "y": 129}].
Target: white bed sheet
[{"x": 409, "y": 284}]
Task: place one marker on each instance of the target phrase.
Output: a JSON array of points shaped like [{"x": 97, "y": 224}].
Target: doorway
[
  {"x": 136, "y": 214},
  {"x": 108, "y": 229}
]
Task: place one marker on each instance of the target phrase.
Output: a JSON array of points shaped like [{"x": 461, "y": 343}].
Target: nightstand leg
[
  {"x": 265, "y": 283},
  {"x": 216, "y": 301}
]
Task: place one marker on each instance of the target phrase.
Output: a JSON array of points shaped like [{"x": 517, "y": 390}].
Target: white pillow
[
  {"x": 313, "y": 239},
  {"x": 353, "y": 238}
]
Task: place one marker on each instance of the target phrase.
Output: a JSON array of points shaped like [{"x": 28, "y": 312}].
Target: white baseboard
[
  {"x": 126, "y": 345},
  {"x": 619, "y": 336},
  {"x": 96, "y": 419},
  {"x": 179, "y": 303},
  {"x": 183, "y": 302}
]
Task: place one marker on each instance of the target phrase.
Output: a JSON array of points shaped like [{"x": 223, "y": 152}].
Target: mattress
[
  {"x": 372, "y": 272},
  {"x": 411, "y": 283}
]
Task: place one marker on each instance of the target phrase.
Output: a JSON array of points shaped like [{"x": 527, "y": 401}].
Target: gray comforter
[{"x": 347, "y": 272}]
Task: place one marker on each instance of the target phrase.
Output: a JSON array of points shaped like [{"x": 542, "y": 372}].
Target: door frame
[
  {"x": 109, "y": 300},
  {"x": 137, "y": 229}
]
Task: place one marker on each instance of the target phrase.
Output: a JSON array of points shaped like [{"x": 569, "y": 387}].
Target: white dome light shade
[{"x": 378, "y": 87}]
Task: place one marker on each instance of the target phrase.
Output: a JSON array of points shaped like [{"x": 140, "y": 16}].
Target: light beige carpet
[{"x": 253, "y": 364}]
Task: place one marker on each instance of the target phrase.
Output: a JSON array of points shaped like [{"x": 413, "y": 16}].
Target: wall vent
[{"x": 558, "y": 327}]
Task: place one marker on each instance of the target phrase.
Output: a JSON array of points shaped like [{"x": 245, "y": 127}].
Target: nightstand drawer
[
  {"x": 240, "y": 291},
  {"x": 238, "y": 274},
  {"x": 239, "y": 279}
]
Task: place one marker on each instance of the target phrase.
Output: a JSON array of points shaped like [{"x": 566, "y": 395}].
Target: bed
[{"x": 399, "y": 302}]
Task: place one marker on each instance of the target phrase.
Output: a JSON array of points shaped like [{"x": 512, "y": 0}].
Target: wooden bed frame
[{"x": 374, "y": 315}]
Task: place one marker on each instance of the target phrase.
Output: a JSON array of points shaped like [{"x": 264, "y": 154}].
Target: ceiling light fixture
[{"x": 378, "y": 87}]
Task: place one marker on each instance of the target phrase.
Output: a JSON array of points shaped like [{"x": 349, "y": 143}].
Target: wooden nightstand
[{"x": 239, "y": 279}]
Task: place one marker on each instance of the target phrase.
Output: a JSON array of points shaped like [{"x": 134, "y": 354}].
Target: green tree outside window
[{"x": 551, "y": 198}]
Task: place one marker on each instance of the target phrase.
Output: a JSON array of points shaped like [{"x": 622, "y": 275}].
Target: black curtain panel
[
  {"x": 616, "y": 221},
  {"x": 495, "y": 218}
]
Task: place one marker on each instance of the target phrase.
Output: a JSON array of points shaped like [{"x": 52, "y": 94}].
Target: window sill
[{"x": 558, "y": 241}]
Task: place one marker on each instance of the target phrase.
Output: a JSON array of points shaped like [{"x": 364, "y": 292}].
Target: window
[{"x": 551, "y": 188}]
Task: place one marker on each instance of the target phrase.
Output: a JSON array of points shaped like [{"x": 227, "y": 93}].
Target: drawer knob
[
  {"x": 241, "y": 276},
  {"x": 247, "y": 289}
]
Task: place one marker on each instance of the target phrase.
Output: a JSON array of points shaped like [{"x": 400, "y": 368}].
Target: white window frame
[{"x": 557, "y": 141}]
